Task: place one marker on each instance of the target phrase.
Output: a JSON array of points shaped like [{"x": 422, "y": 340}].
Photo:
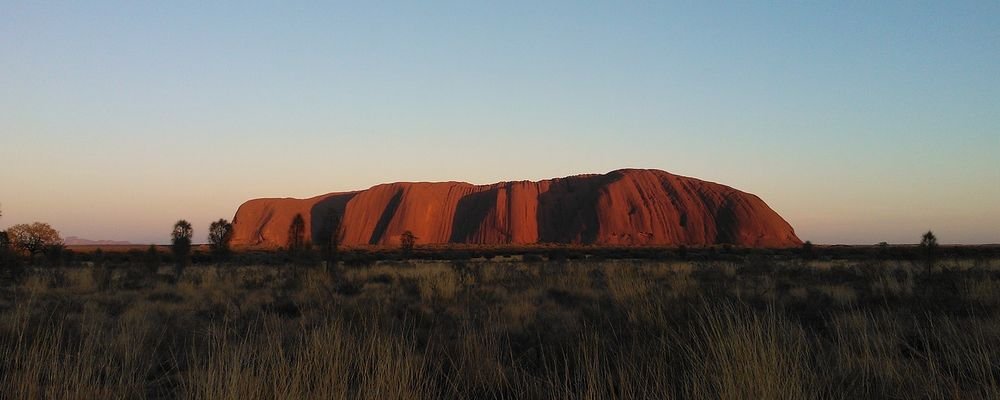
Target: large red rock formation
[{"x": 624, "y": 207}]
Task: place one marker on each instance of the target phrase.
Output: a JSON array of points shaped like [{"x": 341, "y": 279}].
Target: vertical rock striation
[{"x": 623, "y": 207}]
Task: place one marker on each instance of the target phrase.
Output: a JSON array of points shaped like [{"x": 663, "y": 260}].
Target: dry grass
[
  {"x": 616, "y": 329},
  {"x": 274, "y": 361},
  {"x": 750, "y": 355}
]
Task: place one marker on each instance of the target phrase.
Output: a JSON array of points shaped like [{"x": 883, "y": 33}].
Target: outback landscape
[
  {"x": 320, "y": 315},
  {"x": 499, "y": 200}
]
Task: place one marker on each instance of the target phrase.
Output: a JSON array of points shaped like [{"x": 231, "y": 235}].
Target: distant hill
[
  {"x": 623, "y": 207},
  {"x": 77, "y": 241}
]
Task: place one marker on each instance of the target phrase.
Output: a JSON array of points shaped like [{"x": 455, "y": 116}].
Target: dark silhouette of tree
[
  {"x": 10, "y": 264},
  {"x": 55, "y": 254},
  {"x": 219, "y": 234},
  {"x": 329, "y": 236},
  {"x": 807, "y": 250},
  {"x": 297, "y": 234},
  {"x": 98, "y": 257},
  {"x": 406, "y": 242},
  {"x": 180, "y": 244},
  {"x": 883, "y": 250},
  {"x": 928, "y": 246},
  {"x": 34, "y": 238},
  {"x": 5, "y": 250},
  {"x": 4, "y": 239}
]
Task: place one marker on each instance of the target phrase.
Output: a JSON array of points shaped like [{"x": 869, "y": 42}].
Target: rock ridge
[{"x": 621, "y": 208}]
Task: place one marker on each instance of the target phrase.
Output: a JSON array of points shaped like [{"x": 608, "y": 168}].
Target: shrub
[
  {"x": 32, "y": 239},
  {"x": 406, "y": 242},
  {"x": 219, "y": 234},
  {"x": 928, "y": 248},
  {"x": 180, "y": 244}
]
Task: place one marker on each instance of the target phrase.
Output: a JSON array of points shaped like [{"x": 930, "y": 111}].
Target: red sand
[{"x": 624, "y": 207}]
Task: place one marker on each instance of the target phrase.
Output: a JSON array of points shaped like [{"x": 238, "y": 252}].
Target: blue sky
[{"x": 859, "y": 122}]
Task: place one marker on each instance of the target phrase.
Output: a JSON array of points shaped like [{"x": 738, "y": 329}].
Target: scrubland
[{"x": 755, "y": 328}]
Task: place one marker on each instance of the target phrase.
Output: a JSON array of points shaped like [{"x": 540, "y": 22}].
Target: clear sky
[{"x": 859, "y": 122}]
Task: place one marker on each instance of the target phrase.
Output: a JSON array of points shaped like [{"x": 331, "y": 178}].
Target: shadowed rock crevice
[
  {"x": 726, "y": 225},
  {"x": 333, "y": 204},
  {"x": 470, "y": 216},
  {"x": 387, "y": 214},
  {"x": 568, "y": 212}
]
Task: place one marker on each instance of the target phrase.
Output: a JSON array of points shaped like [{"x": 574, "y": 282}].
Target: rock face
[{"x": 624, "y": 207}]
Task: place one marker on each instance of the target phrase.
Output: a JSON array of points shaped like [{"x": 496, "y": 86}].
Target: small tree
[
  {"x": 807, "y": 250},
  {"x": 34, "y": 238},
  {"x": 55, "y": 254},
  {"x": 180, "y": 244},
  {"x": 296, "y": 234},
  {"x": 10, "y": 264},
  {"x": 406, "y": 242},
  {"x": 883, "y": 250},
  {"x": 4, "y": 239},
  {"x": 219, "y": 234},
  {"x": 928, "y": 246}
]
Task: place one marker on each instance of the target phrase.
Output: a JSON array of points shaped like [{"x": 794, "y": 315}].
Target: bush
[
  {"x": 180, "y": 241},
  {"x": 55, "y": 254},
  {"x": 32, "y": 239},
  {"x": 220, "y": 233},
  {"x": 11, "y": 267}
]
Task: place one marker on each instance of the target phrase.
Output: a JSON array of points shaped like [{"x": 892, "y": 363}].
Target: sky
[{"x": 858, "y": 122}]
